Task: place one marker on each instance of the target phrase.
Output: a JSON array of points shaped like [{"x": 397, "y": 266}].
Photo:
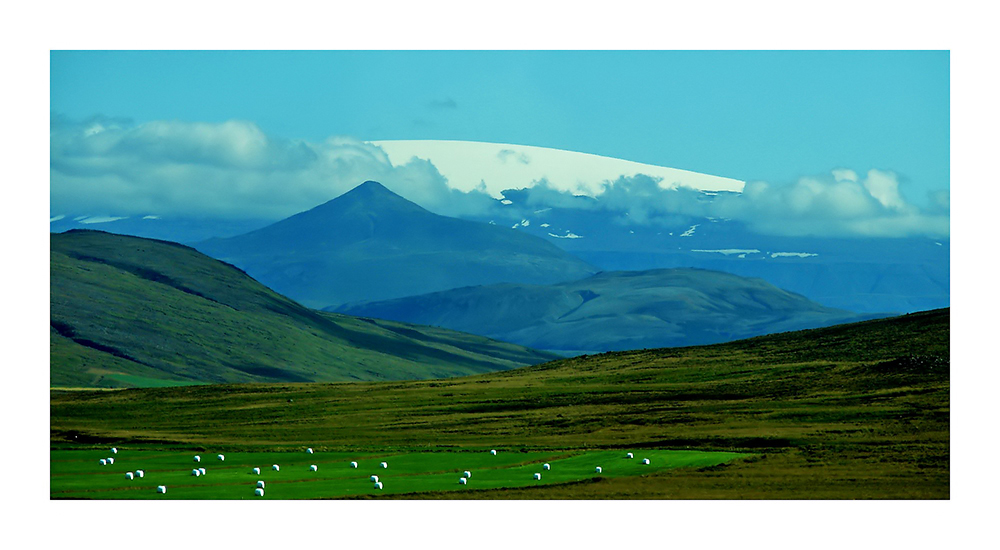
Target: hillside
[
  {"x": 372, "y": 244},
  {"x": 615, "y": 311},
  {"x": 852, "y": 411},
  {"x": 127, "y": 311}
]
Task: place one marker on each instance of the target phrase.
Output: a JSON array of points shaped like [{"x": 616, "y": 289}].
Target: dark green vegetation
[
  {"x": 852, "y": 411},
  {"x": 77, "y": 474},
  {"x": 615, "y": 311},
  {"x": 127, "y": 312},
  {"x": 371, "y": 244}
]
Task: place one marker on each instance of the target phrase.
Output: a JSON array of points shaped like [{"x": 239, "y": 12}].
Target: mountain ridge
[
  {"x": 615, "y": 310},
  {"x": 371, "y": 243}
]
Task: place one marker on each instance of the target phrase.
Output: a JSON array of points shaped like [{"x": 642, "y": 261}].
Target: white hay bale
[
  {"x": 103, "y": 462},
  {"x": 354, "y": 464},
  {"x": 467, "y": 473},
  {"x": 256, "y": 471},
  {"x": 111, "y": 460},
  {"x": 373, "y": 479},
  {"x": 628, "y": 455},
  {"x": 310, "y": 451},
  {"x": 493, "y": 452},
  {"x": 129, "y": 475},
  {"x": 197, "y": 458},
  {"x": 384, "y": 465},
  {"x": 597, "y": 469},
  {"x": 312, "y": 467},
  {"x": 114, "y": 450},
  {"x": 259, "y": 492},
  {"x": 140, "y": 473},
  {"x": 538, "y": 476},
  {"x": 222, "y": 457},
  {"x": 260, "y": 484},
  {"x": 276, "y": 468},
  {"x": 546, "y": 466},
  {"x": 462, "y": 481},
  {"x": 378, "y": 485},
  {"x": 161, "y": 488},
  {"x": 645, "y": 461},
  {"x": 202, "y": 470},
  {"x": 196, "y": 472}
]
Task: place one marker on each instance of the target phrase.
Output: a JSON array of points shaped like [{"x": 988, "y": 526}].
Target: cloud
[
  {"x": 112, "y": 167},
  {"x": 446, "y": 103},
  {"x": 229, "y": 170},
  {"x": 840, "y": 204}
]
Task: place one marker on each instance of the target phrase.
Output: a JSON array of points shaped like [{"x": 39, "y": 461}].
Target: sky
[
  {"x": 266, "y": 134},
  {"x": 772, "y": 116}
]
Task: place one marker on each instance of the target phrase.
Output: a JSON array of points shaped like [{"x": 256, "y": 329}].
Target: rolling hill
[
  {"x": 372, "y": 244},
  {"x": 127, "y": 311},
  {"x": 615, "y": 311}
]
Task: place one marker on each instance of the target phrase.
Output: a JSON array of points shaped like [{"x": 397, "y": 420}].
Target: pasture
[{"x": 78, "y": 474}]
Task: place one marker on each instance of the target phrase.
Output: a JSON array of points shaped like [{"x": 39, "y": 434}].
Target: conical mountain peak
[{"x": 373, "y": 197}]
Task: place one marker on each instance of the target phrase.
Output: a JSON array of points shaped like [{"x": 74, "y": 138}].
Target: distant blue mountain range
[{"x": 615, "y": 311}]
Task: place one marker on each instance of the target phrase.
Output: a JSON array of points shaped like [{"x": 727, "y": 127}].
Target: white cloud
[
  {"x": 837, "y": 204},
  {"x": 234, "y": 170},
  {"x": 885, "y": 188},
  {"x": 844, "y": 174},
  {"x": 230, "y": 170}
]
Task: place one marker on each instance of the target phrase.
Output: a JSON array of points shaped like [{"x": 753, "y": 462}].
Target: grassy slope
[
  {"x": 127, "y": 311},
  {"x": 853, "y": 411}
]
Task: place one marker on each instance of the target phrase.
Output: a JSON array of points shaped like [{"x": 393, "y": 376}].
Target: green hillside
[
  {"x": 127, "y": 312},
  {"x": 851, "y": 411}
]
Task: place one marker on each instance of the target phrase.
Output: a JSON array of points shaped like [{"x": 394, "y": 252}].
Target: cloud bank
[
  {"x": 230, "y": 170},
  {"x": 840, "y": 204},
  {"x": 233, "y": 170}
]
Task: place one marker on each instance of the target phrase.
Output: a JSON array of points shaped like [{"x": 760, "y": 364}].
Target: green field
[
  {"x": 858, "y": 411},
  {"x": 78, "y": 474}
]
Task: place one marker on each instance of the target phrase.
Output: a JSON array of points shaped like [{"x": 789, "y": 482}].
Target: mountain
[
  {"x": 372, "y": 244},
  {"x": 127, "y": 311},
  {"x": 178, "y": 229},
  {"x": 865, "y": 274},
  {"x": 615, "y": 311}
]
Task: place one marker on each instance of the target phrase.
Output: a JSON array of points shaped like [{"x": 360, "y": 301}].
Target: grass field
[
  {"x": 78, "y": 474},
  {"x": 858, "y": 411}
]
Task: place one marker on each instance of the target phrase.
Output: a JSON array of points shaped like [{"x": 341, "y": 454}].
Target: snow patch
[
  {"x": 543, "y": 210},
  {"x": 792, "y": 254},
  {"x": 727, "y": 251},
  {"x": 545, "y": 225},
  {"x": 61, "y": 216},
  {"x": 101, "y": 219},
  {"x": 525, "y": 223},
  {"x": 568, "y": 235},
  {"x": 150, "y": 217},
  {"x": 506, "y": 201},
  {"x": 690, "y": 231}
]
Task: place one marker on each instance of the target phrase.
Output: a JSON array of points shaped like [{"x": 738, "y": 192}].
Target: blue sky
[{"x": 755, "y": 115}]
